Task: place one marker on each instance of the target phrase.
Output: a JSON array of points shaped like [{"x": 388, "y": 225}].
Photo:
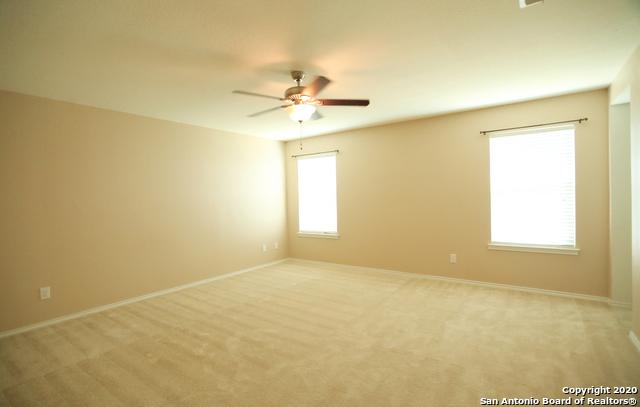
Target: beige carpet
[{"x": 302, "y": 334}]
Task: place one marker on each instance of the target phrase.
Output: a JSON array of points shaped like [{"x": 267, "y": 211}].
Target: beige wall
[
  {"x": 628, "y": 80},
  {"x": 411, "y": 193},
  {"x": 620, "y": 202},
  {"x": 103, "y": 206}
]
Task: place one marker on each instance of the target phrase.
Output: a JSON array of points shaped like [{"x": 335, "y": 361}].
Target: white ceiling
[{"x": 180, "y": 60}]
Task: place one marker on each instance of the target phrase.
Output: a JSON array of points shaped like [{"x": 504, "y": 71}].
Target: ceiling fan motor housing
[{"x": 293, "y": 92}]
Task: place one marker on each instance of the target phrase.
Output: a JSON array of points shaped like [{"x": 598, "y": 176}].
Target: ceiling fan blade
[
  {"x": 344, "y": 102},
  {"x": 273, "y": 109},
  {"x": 242, "y": 92},
  {"x": 316, "y": 86},
  {"x": 316, "y": 116}
]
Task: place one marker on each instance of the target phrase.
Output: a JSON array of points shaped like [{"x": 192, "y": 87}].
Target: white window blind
[
  {"x": 533, "y": 187},
  {"x": 317, "y": 200}
]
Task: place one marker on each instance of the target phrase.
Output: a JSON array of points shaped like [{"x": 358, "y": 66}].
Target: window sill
[
  {"x": 572, "y": 251},
  {"x": 319, "y": 235}
]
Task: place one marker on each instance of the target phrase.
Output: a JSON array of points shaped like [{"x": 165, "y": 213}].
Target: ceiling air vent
[{"x": 527, "y": 3}]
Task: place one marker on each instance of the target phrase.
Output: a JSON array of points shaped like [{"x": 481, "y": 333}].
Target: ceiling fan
[{"x": 301, "y": 102}]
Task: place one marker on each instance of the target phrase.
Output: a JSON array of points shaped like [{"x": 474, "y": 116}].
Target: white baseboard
[
  {"x": 101, "y": 308},
  {"x": 479, "y": 283},
  {"x": 622, "y": 304},
  {"x": 634, "y": 340}
]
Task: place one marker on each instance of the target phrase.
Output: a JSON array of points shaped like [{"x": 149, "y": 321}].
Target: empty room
[{"x": 322, "y": 203}]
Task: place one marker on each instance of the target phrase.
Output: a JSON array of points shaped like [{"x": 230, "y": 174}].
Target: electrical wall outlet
[
  {"x": 45, "y": 293},
  {"x": 276, "y": 245},
  {"x": 453, "y": 258},
  {"x": 264, "y": 247},
  {"x": 529, "y": 3}
]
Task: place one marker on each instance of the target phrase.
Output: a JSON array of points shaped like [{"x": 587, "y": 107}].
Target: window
[
  {"x": 317, "y": 201},
  {"x": 533, "y": 189}
]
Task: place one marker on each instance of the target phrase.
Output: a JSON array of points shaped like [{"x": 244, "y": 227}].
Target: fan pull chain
[{"x": 300, "y": 135}]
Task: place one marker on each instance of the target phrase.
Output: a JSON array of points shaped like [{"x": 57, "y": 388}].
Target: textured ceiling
[{"x": 180, "y": 60}]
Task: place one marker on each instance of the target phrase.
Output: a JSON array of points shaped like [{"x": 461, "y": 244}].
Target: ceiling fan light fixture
[{"x": 300, "y": 112}]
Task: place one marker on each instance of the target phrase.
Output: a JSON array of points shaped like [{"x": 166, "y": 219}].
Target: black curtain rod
[
  {"x": 321, "y": 152},
  {"x": 584, "y": 119}
]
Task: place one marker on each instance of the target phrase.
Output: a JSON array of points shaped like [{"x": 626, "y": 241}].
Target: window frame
[
  {"x": 310, "y": 233},
  {"x": 536, "y": 248}
]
